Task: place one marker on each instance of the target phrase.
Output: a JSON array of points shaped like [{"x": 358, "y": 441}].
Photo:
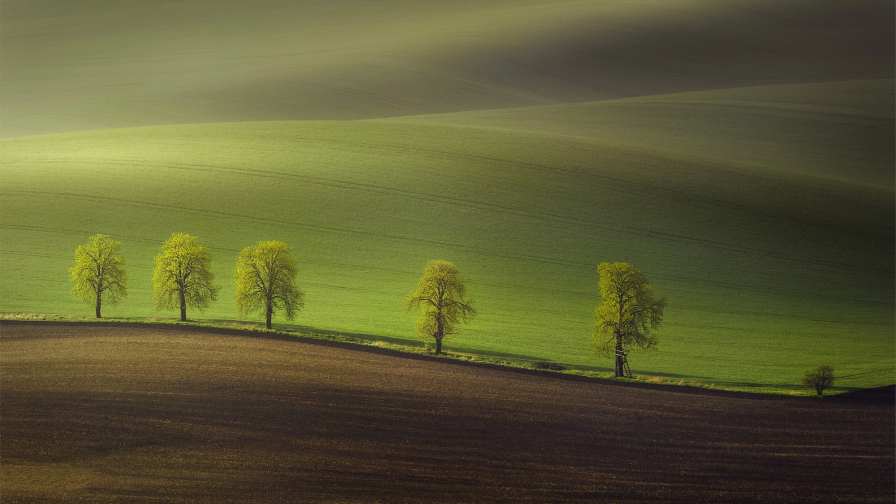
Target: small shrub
[
  {"x": 553, "y": 366},
  {"x": 819, "y": 378}
]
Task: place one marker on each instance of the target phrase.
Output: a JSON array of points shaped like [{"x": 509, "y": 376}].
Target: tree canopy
[
  {"x": 265, "y": 279},
  {"x": 183, "y": 275},
  {"x": 441, "y": 293},
  {"x": 98, "y": 274},
  {"x": 819, "y": 378},
  {"x": 628, "y": 314}
]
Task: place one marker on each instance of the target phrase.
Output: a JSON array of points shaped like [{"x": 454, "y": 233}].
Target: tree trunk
[
  {"x": 99, "y": 303},
  {"x": 268, "y": 313},
  {"x": 439, "y": 334},
  {"x": 183, "y": 306},
  {"x": 619, "y": 371}
]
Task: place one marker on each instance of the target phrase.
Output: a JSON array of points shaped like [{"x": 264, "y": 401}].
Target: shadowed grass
[
  {"x": 107, "y": 63},
  {"x": 842, "y": 130}
]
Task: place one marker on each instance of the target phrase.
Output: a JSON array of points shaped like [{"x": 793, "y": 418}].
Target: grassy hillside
[
  {"x": 767, "y": 272},
  {"x": 741, "y": 153},
  {"x": 841, "y": 130},
  {"x": 95, "y": 64}
]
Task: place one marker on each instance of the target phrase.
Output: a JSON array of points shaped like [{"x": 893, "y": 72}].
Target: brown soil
[{"x": 104, "y": 413}]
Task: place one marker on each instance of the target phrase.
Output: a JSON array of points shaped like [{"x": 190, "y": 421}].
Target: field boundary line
[{"x": 298, "y": 338}]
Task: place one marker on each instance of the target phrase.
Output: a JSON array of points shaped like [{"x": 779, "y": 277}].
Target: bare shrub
[{"x": 553, "y": 366}]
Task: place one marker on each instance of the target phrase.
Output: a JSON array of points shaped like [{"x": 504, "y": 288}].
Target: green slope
[
  {"x": 767, "y": 272},
  {"x": 842, "y": 130},
  {"x": 92, "y": 64}
]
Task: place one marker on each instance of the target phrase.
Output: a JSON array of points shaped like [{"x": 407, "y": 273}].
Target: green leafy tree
[
  {"x": 265, "y": 279},
  {"x": 441, "y": 293},
  {"x": 628, "y": 314},
  {"x": 819, "y": 378},
  {"x": 183, "y": 275},
  {"x": 98, "y": 273}
]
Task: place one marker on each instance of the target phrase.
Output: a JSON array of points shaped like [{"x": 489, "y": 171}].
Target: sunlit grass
[{"x": 767, "y": 272}]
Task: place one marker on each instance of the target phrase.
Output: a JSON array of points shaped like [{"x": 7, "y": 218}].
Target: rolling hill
[
  {"x": 841, "y": 130},
  {"x": 740, "y": 153},
  {"x": 765, "y": 269},
  {"x": 96, "y": 64}
]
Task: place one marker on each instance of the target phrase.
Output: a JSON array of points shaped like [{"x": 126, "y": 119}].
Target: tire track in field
[
  {"x": 813, "y": 294},
  {"x": 753, "y": 313},
  {"x": 550, "y": 218},
  {"x": 797, "y": 117},
  {"x": 754, "y": 211},
  {"x": 392, "y": 102},
  {"x": 330, "y": 264},
  {"x": 580, "y": 265},
  {"x": 290, "y": 224},
  {"x": 587, "y": 224},
  {"x": 644, "y": 187}
]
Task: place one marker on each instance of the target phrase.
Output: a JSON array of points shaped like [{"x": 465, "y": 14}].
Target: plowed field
[{"x": 107, "y": 413}]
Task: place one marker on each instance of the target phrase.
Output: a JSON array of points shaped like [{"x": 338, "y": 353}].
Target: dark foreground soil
[{"x": 131, "y": 414}]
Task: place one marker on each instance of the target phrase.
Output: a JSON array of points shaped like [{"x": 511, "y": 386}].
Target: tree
[
  {"x": 98, "y": 273},
  {"x": 819, "y": 378},
  {"x": 265, "y": 279},
  {"x": 183, "y": 275},
  {"x": 628, "y": 314},
  {"x": 441, "y": 294}
]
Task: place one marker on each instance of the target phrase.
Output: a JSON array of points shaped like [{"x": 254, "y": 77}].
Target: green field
[
  {"x": 751, "y": 178},
  {"x": 93, "y": 64}
]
